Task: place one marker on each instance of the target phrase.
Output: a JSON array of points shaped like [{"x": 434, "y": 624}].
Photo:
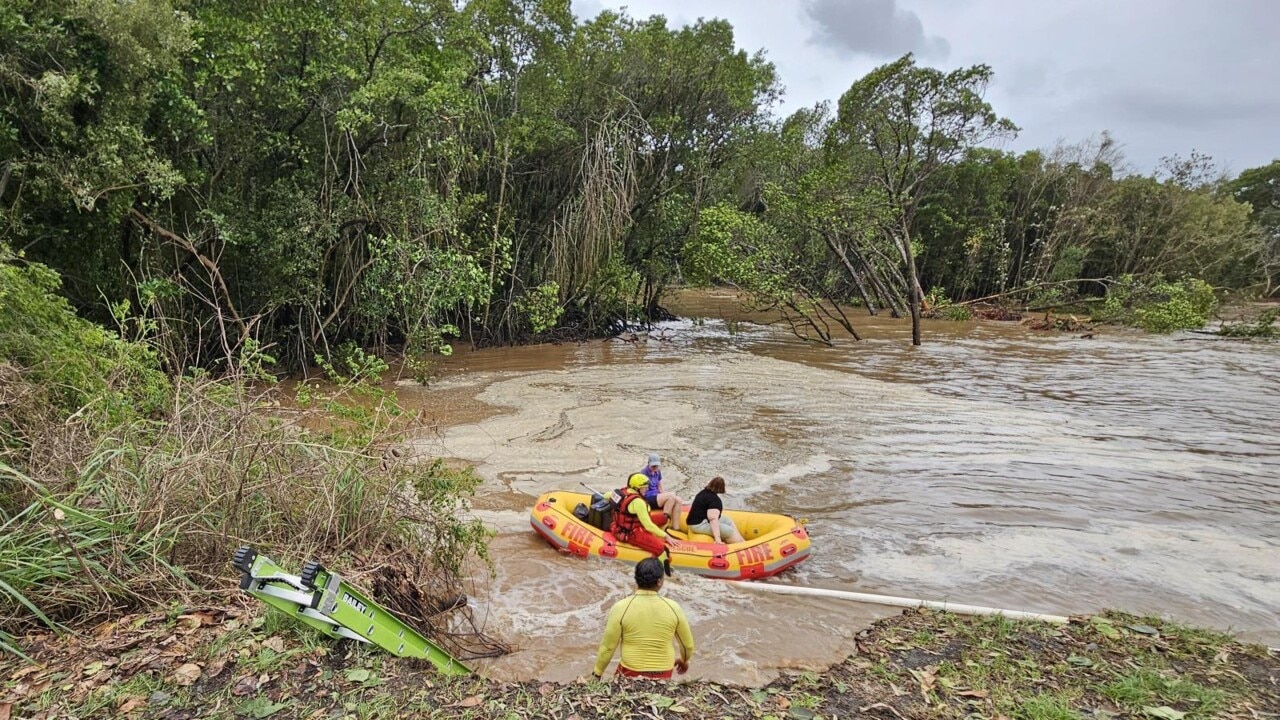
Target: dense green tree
[
  {"x": 86, "y": 88},
  {"x": 393, "y": 173},
  {"x": 915, "y": 121},
  {"x": 999, "y": 222},
  {"x": 302, "y": 176},
  {"x": 785, "y": 209},
  {"x": 1147, "y": 226},
  {"x": 963, "y": 224},
  {"x": 641, "y": 118},
  {"x": 1260, "y": 188}
]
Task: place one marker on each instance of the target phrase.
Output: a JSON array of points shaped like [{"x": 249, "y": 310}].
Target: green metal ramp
[
  {"x": 322, "y": 599},
  {"x": 262, "y": 578}
]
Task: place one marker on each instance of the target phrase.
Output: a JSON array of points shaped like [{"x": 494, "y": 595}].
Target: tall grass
[
  {"x": 59, "y": 562},
  {"x": 122, "y": 487},
  {"x": 103, "y": 519}
]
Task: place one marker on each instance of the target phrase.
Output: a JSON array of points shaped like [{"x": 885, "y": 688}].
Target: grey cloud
[
  {"x": 1164, "y": 76},
  {"x": 1192, "y": 111},
  {"x": 878, "y": 28},
  {"x": 1025, "y": 78}
]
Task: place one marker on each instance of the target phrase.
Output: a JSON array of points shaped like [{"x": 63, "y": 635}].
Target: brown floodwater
[{"x": 994, "y": 466}]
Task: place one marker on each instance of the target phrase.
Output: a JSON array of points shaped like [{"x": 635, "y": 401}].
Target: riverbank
[{"x": 232, "y": 663}]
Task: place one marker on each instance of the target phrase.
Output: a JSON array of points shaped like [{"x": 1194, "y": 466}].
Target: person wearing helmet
[
  {"x": 644, "y": 624},
  {"x": 667, "y": 502},
  {"x": 631, "y": 521}
]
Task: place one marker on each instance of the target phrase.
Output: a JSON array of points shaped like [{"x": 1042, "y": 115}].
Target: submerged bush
[
  {"x": 941, "y": 306},
  {"x": 1157, "y": 305},
  {"x": 1261, "y": 326},
  {"x": 541, "y": 307},
  {"x": 1187, "y": 304}
]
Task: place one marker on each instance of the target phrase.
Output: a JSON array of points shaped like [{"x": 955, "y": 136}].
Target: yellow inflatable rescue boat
[{"x": 772, "y": 543}]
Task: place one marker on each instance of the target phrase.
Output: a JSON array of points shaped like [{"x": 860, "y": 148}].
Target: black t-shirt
[{"x": 702, "y": 502}]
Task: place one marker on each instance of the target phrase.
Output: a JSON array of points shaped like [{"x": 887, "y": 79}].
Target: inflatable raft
[{"x": 772, "y": 543}]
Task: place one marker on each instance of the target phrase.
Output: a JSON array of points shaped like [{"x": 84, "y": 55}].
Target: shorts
[
  {"x": 653, "y": 501},
  {"x": 726, "y": 527}
]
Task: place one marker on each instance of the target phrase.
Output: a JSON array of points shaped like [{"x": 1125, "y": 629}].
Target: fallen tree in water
[
  {"x": 1150, "y": 302},
  {"x": 215, "y": 663},
  {"x": 1263, "y": 325},
  {"x": 1062, "y": 323}
]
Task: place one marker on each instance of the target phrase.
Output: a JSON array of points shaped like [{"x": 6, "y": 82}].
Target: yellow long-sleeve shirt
[
  {"x": 640, "y": 508},
  {"x": 644, "y": 624}
]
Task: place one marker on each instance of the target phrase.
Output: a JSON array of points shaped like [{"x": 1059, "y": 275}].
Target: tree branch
[{"x": 209, "y": 265}]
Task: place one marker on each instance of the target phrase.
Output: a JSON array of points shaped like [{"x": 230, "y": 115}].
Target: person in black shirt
[{"x": 706, "y": 514}]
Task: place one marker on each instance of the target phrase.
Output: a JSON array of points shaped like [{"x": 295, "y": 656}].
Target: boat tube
[{"x": 578, "y": 524}]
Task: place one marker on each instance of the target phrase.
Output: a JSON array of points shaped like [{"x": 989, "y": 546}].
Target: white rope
[{"x": 957, "y": 608}]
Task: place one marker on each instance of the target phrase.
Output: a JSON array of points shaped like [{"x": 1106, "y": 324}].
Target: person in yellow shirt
[
  {"x": 644, "y": 624},
  {"x": 632, "y": 523}
]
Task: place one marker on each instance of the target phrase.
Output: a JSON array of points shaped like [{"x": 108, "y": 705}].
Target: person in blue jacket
[{"x": 659, "y": 499}]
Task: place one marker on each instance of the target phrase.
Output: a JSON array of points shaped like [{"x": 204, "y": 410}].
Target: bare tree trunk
[
  {"x": 913, "y": 287},
  {"x": 215, "y": 274},
  {"x": 909, "y": 259},
  {"x": 894, "y": 268},
  {"x": 838, "y": 249},
  {"x": 890, "y": 299},
  {"x": 497, "y": 231}
]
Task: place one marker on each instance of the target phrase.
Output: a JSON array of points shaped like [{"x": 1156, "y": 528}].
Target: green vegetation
[
  {"x": 1157, "y": 305},
  {"x": 228, "y": 179},
  {"x": 121, "y": 488},
  {"x": 1147, "y": 687},
  {"x": 393, "y": 174},
  {"x": 840, "y": 209},
  {"x": 70, "y": 362},
  {"x": 208, "y": 193},
  {"x": 1263, "y": 325},
  {"x": 1260, "y": 189}
]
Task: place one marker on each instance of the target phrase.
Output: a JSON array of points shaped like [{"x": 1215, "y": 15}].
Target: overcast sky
[{"x": 1164, "y": 76}]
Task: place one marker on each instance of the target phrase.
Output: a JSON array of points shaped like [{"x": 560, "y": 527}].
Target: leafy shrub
[
  {"x": 1186, "y": 304},
  {"x": 1047, "y": 297},
  {"x": 1157, "y": 305},
  {"x": 936, "y": 297},
  {"x": 612, "y": 294},
  {"x": 940, "y": 306},
  {"x": 541, "y": 307},
  {"x": 83, "y": 366}
]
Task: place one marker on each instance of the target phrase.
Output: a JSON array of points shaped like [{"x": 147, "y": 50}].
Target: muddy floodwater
[{"x": 993, "y": 466}]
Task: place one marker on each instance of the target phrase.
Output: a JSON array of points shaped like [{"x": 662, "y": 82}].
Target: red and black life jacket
[{"x": 624, "y": 521}]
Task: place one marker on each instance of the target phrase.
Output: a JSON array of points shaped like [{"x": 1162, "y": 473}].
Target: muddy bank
[{"x": 213, "y": 663}]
